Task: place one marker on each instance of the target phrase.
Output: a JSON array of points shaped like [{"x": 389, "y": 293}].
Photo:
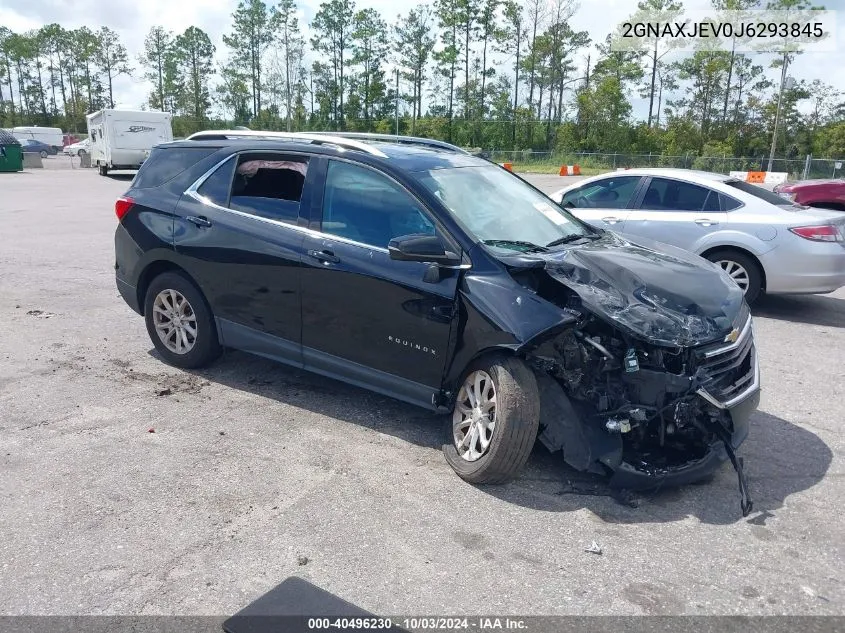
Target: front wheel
[
  {"x": 495, "y": 421},
  {"x": 742, "y": 269},
  {"x": 81, "y": 153},
  {"x": 179, "y": 322},
  {"x": 43, "y": 153}
]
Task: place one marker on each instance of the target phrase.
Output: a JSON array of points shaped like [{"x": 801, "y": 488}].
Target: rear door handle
[
  {"x": 706, "y": 222},
  {"x": 324, "y": 256},
  {"x": 199, "y": 220},
  {"x": 611, "y": 220}
]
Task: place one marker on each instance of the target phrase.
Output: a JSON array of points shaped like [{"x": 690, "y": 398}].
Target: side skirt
[{"x": 274, "y": 348}]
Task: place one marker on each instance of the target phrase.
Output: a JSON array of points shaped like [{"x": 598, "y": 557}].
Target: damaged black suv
[{"x": 414, "y": 269}]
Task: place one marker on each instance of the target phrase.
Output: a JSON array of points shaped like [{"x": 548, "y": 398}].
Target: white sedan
[
  {"x": 762, "y": 240},
  {"x": 78, "y": 149}
]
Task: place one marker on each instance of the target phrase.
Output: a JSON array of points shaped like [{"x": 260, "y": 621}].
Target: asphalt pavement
[{"x": 131, "y": 487}]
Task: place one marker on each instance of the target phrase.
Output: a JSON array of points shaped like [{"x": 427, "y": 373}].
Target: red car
[{"x": 824, "y": 194}]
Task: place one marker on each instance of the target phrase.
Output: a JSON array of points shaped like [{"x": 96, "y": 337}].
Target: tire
[
  {"x": 205, "y": 347},
  {"x": 102, "y": 169},
  {"x": 734, "y": 262},
  {"x": 80, "y": 153},
  {"x": 43, "y": 153},
  {"x": 516, "y": 420}
]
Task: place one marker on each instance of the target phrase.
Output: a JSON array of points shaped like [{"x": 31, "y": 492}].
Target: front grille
[{"x": 729, "y": 368}]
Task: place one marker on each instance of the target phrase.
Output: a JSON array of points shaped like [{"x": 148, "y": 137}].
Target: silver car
[{"x": 762, "y": 240}]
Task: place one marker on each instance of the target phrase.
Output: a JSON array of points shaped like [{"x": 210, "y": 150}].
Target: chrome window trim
[{"x": 193, "y": 193}]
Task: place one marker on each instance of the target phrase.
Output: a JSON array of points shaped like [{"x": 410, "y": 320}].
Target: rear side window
[
  {"x": 664, "y": 194},
  {"x": 165, "y": 164},
  {"x": 269, "y": 185},
  {"x": 217, "y": 186}
]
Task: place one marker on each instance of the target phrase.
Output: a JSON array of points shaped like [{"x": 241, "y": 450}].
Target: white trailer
[
  {"x": 49, "y": 135},
  {"x": 122, "y": 139}
]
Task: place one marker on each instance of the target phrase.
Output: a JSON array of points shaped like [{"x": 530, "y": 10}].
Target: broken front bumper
[
  {"x": 626, "y": 476},
  {"x": 735, "y": 393}
]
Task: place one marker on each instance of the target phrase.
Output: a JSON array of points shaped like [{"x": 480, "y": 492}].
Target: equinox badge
[{"x": 411, "y": 345}]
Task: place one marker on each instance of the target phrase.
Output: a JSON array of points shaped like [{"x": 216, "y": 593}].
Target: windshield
[{"x": 501, "y": 210}]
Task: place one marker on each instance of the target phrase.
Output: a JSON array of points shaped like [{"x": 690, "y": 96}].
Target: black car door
[
  {"x": 367, "y": 318},
  {"x": 239, "y": 233}
]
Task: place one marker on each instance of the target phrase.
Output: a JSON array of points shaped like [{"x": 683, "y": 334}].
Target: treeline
[{"x": 498, "y": 74}]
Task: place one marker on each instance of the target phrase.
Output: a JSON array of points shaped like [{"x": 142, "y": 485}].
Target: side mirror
[{"x": 421, "y": 247}]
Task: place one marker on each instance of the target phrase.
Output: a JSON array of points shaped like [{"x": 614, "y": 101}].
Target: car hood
[{"x": 653, "y": 291}]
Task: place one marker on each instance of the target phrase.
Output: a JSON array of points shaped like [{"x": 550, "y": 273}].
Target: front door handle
[
  {"x": 706, "y": 222},
  {"x": 199, "y": 220},
  {"x": 611, "y": 220},
  {"x": 324, "y": 256}
]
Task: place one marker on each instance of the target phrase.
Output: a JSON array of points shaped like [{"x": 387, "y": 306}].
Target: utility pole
[
  {"x": 777, "y": 113},
  {"x": 397, "y": 102}
]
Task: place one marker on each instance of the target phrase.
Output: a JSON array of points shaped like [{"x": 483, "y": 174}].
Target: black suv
[{"x": 414, "y": 269}]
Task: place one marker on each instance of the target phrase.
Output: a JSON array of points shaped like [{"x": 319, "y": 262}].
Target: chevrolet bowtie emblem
[{"x": 731, "y": 338}]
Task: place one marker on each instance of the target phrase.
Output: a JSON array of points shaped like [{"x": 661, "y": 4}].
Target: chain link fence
[{"x": 798, "y": 169}]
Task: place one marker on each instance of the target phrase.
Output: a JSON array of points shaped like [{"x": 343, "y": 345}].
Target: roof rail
[
  {"x": 316, "y": 138},
  {"x": 392, "y": 138}
]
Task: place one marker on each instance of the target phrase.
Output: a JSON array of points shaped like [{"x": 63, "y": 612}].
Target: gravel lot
[{"x": 255, "y": 472}]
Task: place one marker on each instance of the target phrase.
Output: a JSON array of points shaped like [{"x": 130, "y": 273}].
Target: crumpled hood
[{"x": 656, "y": 292}]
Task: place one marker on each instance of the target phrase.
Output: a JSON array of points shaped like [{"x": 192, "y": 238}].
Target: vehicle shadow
[
  {"x": 781, "y": 458},
  {"x": 121, "y": 176},
  {"x": 811, "y": 309}
]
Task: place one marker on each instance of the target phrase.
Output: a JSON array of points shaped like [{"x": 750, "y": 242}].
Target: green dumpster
[{"x": 11, "y": 155}]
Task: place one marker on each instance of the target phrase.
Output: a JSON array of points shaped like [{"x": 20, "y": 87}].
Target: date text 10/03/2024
[{"x": 418, "y": 624}]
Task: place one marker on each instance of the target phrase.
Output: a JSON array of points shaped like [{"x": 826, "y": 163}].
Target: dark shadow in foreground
[
  {"x": 781, "y": 458},
  {"x": 811, "y": 309}
]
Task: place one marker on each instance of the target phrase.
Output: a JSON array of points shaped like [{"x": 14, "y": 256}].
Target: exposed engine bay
[{"x": 641, "y": 408}]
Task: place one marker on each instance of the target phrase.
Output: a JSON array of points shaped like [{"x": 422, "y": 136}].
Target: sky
[{"x": 133, "y": 19}]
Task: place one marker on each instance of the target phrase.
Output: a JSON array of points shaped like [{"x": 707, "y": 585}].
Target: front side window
[
  {"x": 610, "y": 193},
  {"x": 664, "y": 194},
  {"x": 362, "y": 205},
  {"x": 269, "y": 185},
  {"x": 501, "y": 210}
]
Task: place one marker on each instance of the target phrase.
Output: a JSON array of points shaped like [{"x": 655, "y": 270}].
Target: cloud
[{"x": 133, "y": 20}]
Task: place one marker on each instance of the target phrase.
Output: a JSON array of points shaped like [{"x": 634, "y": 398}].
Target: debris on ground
[
  {"x": 151, "y": 430},
  {"x": 222, "y": 432},
  {"x": 301, "y": 560},
  {"x": 164, "y": 392},
  {"x": 40, "y": 314},
  {"x": 593, "y": 549}
]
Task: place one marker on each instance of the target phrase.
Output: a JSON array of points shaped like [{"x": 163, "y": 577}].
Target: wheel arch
[
  {"x": 744, "y": 251},
  {"x": 158, "y": 267}
]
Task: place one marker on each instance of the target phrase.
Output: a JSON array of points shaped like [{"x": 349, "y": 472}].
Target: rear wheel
[
  {"x": 495, "y": 422},
  {"x": 81, "y": 153},
  {"x": 179, "y": 322},
  {"x": 744, "y": 270},
  {"x": 102, "y": 169},
  {"x": 43, "y": 153}
]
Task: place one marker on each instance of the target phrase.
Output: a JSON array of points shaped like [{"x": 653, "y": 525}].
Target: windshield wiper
[
  {"x": 528, "y": 246},
  {"x": 566, "y": 239}
]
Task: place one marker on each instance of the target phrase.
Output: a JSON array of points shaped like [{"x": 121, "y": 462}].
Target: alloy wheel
[
  {"x": 175, "y": 321},
  {"x": 735, "y": 272},
  {"x": 474, "y": 418}
]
